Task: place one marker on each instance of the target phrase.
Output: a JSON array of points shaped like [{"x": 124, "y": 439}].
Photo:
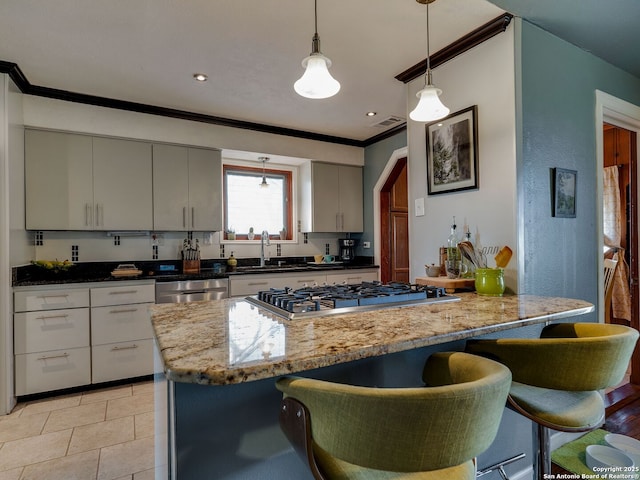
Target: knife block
[{"x": 191, "y": 266}]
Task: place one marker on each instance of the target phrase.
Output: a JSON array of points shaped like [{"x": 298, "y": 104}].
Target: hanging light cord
[
  {"x": 315, "y": 15},
  {"x": 427, "y": 73}
]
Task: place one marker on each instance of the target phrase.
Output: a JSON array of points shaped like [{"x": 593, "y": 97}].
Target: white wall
[
  {"x": 60, "y": 115},
  {"x": 483, "y": 76}
]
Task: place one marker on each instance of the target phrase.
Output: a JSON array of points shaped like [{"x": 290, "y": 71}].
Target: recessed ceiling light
[
  {"x": 371, "y": 114},
  {"x": 200, "y": 77}
]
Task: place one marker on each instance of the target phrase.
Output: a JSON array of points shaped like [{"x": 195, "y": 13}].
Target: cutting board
[{"x": 450, "y": 285}]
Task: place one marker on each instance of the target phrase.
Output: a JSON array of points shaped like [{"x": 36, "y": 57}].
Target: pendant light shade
[
  {"x": 316, "y": 82},
  {"x": 429, "y": 107},
  {"x": 264, "y": 183}
]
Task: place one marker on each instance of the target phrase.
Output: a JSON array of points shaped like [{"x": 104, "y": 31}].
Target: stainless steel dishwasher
[{"x": 184, "y": 291}]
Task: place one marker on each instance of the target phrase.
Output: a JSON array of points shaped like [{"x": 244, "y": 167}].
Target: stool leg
[{"x": 542, "y": 457}]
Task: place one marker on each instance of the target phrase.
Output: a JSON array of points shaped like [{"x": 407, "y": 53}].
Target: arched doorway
[{"x": 394, "y": 225}]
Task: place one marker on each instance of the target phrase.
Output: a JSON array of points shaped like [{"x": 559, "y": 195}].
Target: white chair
[{"x": 609, "y": 272}]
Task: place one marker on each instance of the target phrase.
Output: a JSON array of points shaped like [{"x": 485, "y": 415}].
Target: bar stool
[
  {"x": 427, "y": 433},
  {"x": 557, "y": 378}
]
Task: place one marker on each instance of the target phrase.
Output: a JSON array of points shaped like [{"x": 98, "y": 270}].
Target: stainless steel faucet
[{"x": 264, "y": 237}]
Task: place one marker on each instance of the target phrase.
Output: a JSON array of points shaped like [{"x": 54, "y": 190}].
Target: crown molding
[{"x": 464, "y": 43}]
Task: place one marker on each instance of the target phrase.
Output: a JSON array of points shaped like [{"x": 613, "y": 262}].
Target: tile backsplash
[{"x": 99, "y": 246}]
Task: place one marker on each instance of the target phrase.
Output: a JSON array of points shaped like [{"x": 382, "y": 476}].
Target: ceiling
[{"x": 146, "y": 51}]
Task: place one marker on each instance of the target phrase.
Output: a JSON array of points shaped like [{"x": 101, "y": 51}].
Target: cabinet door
[
  {"x": 326, "y": 201},
  {"x": 170, "y": 188},
  {"x": 350, "y": 184},
  {"x": 122, "y": 184},
  {"x": 58, "y": 173},
  {"x": 205, "y": 190}
]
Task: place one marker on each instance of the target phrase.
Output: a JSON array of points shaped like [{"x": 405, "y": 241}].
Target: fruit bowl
[{"x": 53, "y": 265}]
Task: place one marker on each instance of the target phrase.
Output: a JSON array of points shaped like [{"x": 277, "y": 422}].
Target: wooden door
[
  {"x": 394, "y": 211},
  {"x": 620, "y": 149}
]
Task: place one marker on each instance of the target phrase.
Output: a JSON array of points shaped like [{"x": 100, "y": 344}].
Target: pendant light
[
  {"x": 264, "y": 183},
  {"x": 316, "y": 82},
  {"x": 429, "y": 107}
]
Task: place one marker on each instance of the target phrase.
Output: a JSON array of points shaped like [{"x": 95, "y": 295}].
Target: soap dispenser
[{"x": 232, "y": 263}]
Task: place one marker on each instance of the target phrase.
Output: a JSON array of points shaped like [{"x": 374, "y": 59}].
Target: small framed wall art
[
  {"x": 452, "y": 152},
  {"x": 564, "y": 192}
]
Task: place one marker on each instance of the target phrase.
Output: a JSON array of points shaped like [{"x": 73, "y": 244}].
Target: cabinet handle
[
  {"x": 193, "y": 218},
  {"x": 251, "y": 284},
  {"x": 51, "y": 357},
  {"x": 130, "y": 347},
  {"x": 306, "y": 281},
  {"x": 184, "y": 217},
  {"x": 342, "y": 222},
  {"x": 59, "y": 295},
  {"x": 337, "y": 221},
  {"x": 128, "y": 310},
  {"x": 49, "y": 317},
  {"x": 122, "y": 292},
  {"x": 87, "y": 214}
]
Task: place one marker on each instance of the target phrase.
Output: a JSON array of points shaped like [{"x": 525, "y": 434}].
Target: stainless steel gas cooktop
[{"x": 322, "y": 300}]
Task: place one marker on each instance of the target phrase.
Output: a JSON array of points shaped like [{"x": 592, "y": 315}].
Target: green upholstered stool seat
[
  {"x": 433, "y": 432},
  {"x": 558, "y": 409}
]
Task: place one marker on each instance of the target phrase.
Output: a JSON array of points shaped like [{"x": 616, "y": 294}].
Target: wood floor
[{"x": 623, "y": 415}]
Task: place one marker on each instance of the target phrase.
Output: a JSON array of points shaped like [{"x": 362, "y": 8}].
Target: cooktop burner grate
[{"x": 321, "y": 300}]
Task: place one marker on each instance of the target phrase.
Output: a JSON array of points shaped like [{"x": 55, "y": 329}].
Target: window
[{"x": 248, "y": 205}]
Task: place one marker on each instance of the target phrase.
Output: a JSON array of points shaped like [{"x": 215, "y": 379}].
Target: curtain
[{"x": 613, "y": 218}]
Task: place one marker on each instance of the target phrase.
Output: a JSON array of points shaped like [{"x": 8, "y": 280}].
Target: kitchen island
[{"x": 219, "y": 362}]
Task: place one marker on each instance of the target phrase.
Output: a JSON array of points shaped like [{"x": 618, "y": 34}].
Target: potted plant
[
  {"x": 283, "y": 234},
  {"x": 231, "y": 234},
  {"x": 251, "y": 234}
]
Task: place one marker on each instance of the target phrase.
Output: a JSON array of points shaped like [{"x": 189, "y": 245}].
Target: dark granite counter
[{"x": 84, "y": 272}]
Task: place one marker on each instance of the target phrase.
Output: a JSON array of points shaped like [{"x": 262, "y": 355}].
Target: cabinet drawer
[
  {"x": 122, "y": 360},
  {"x": 122, "y": 295},
  {"x": 29, "y": 301},
  {"x": 52, "y": 370},
  {"x": 354, "y": 276},
  {"x": 120, "y": 323},
  {"x": 252, "y": 284},
  {"x": 51, "y": 330}
]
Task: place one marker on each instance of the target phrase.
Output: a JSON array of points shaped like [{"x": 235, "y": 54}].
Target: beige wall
[{"x": 483, "y": 76}]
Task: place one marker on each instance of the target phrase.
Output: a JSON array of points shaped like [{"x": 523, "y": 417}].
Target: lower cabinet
[
  {"x": 69, "y": 337},
  {"x": 52, "y": 370},
  {"x": 243, "y": 285},
  {"x": 352, "y": 276},
  {"x": 115, "y": 361},
  {"x": 121, "y": 333}
]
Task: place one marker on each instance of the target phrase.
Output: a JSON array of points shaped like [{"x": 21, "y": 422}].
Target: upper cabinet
[
  {"x": 122, "y": 184},
  {"x": 331, "y": 198},
  {"x": 78, "y": 182},
  {"x": 187, "y": 186},
  {"x": 58, "y": 181}
]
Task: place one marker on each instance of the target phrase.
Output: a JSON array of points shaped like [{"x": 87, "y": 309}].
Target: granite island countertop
[{"x": 231, "y": 341}]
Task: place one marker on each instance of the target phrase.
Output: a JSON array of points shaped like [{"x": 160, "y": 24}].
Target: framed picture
[
  {"x": 564, "y": 192},
  {"x": 452, "y": 152}
]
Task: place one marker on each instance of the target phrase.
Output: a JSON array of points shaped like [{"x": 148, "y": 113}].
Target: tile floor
[{"x": 105, "y": 434}]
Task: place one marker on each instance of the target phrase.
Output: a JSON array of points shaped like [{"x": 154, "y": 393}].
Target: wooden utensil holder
[{"x": 191, "y": 266}]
